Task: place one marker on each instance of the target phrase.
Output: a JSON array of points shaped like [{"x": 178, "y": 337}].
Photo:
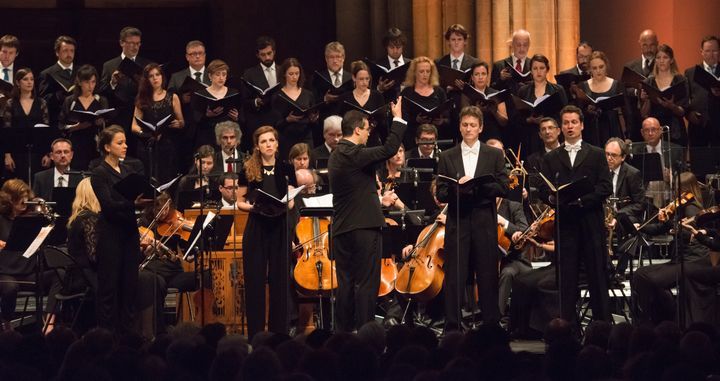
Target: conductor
[{"x": 357, "y": 241}]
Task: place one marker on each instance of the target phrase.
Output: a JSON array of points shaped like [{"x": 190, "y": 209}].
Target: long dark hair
[
  {"x": 19, "y": 75},
  {"x": 84, "y": 73},
  {"x": 287, "y": 64},
  {"x": 144, "y": 97}
]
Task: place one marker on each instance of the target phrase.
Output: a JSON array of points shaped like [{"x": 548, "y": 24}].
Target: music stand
[
  {"x": 29, "y": 141},
  {"x": 425, "y": 164},
  {"x": 649, "y": 164},
  {"x": 704, "y": 161},
  {"x": 23, "y": 233}
]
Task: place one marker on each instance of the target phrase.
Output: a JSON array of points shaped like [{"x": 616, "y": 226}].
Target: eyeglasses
[
  {"x": 650, "y": 130},
  {"x": 613, "y": 155},
  {"x": 132, "y": 43},
  {"x": 195, "y": 54},
  {"x": 230, "y": 187}
]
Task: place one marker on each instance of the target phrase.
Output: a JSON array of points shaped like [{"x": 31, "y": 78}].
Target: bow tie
[
  {"x": 472, "y": 150},
  {"x": 573, "y": 147}
]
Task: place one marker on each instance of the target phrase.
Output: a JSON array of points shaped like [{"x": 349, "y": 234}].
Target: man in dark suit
[
  {"x": 196, "y": 56},
  {"x": 704, "y": 111},
  {"x": 394, "y": 43},
  {"x": 228, "y": 137},
  {"x": 358, "y": 218},
  {"x": 54, "y": 80},
  {"x": 9, "y": 50},
  {"x": 501, "y": 75},
  {"x": 579, "y": 223},
  {"x": 583, "y": 53},
  {"x": 332, "y": 133},
  {"x": 61, "y": 154},
  {"x": 330, "y": 82},
  {"x": 119, "y": 89},
  {"x": 644, "y": 65},
  {"x": 476, "y": 224},
  {"x": 425, "y": 138},
  {"x": 456, "y": 37},
  {"x": 258, "y": 110}
]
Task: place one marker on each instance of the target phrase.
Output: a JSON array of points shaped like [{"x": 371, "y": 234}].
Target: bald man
[
  {"x": 501, "y": 72},
  {"x": 648, "y": 42}
]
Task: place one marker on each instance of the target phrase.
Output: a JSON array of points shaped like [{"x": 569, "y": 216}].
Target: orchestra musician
[
  {"x": 357, "y": 239},
  {"x": 476, "y": 223},
  {"x": 703, "y": 275},
  {"x": 266, "y": 254},
  {"x": 118, "y": 248}
]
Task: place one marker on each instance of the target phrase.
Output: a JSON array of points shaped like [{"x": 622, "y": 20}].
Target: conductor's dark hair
[
  {"x": 64, "y": 40},
  {"x": 129, "y": 31},
  {"x": 540, "y": 58},
  {"x": 572, "y": 109},
  {"x": 394, "y": 36},
  {"x": 353, "y": 119},
  {"x": 263, "y": 42},
  {"x": 106, "y": 137}
]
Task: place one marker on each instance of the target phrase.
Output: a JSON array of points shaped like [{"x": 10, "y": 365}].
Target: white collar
[
  {"x": 8, "y": 67},
  {"x": 401, "y": 61},
  {"x": 264, "y": 68},
  {"x": 459, "y": 58},
  {"x": 515, "y": 58},
  {"x": 193, "y": 71},
  {"x": 65, "y": 68},
  {"x": 226, "y": 156},
  {"x": 332, "y": 74},
  {"x": 657, "y": 147},
  {"x": 123, "y": 56},
  {"x": 475, "y": 147},
  {"x": 709, "y": 68},
  {"x": 328, "y": 147}
]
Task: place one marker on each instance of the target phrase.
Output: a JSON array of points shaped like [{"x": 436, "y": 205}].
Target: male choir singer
[
  {"x": 473, "y": 224},
  {"x": 358, "y": 217}
]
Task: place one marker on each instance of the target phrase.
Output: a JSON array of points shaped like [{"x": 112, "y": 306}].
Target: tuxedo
[
  {"x": 177, "y": 79},
  {"x": 357, "y": 241},
  {"x": 51, "y": 91},
  {"x": 707, "y": 131},
  {"x": 509, "y": 84},
  {"x": 44, "y": 182},
  {"x": 256, "y": 116},
  {"x": 476, "y": 227},
  {"x": 321, "y": 84},
  {"x": 580, "y": 226}
]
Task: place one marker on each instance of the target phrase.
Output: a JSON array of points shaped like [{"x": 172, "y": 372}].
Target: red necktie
[
  {"x": 229, "y": 167},
  {"x": 518, "y": 66}
]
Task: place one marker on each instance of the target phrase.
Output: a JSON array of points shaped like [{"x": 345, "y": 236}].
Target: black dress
[
  {"x": 118, "y": 251},
  {"x": 297, "y": 132},
  {"x": 598, "y": 128},
  {"x": 14, "y": 117},
  {"x": 83, "y": 141},
  {"x": 410, "y": 113},
  {"x": 266, "y": 256},
  {"x": 164, "y": 152},
  {"x": 491, "y": 128},
  {"x": 204, "y": 125},
  {"x": 379, "y": 125},
  {"x": 678, "y": 134},
  {"x": 529, "y": 132}
]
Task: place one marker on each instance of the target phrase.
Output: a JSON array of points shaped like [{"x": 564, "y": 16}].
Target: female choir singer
[
  {"x": 362, "y": 96},
  {"x": 601, "y": 125},
  {"x": 118, "y": 247},
  {"x": 205, "y": 117},
  {"x": 494, "y": 112},
  {"x": 265, "y": 245},
  {"x": 422, "y": 86},
  {"x": 152, "y": 105},
  {"x": 82, "y": 134},
  {"x": 23, "y": 110}
]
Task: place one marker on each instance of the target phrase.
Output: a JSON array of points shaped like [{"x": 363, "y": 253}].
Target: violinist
[
  {"x": 702, "y": 276},
  {"x": 16, "y": 271},
  {"x": 651, "y": 284},
  {"x": 162, "y": 271},
  {"x": 511, "y": 219}
]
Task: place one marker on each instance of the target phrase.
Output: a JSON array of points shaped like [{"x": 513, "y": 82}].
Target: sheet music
[
  {"x": 324, "y": 201},
  {"x": 168, "y": 184},
  {"x": 35, "y": 245}
]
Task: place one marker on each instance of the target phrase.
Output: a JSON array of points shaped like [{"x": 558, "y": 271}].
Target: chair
[
  {"x": 178, "y": 297},
  {"x": 75, "y": 283}
]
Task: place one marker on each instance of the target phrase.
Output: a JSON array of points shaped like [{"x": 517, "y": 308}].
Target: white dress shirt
[
  {"x": 470, "y": 157},
  {"x": 57, "y": 175}
]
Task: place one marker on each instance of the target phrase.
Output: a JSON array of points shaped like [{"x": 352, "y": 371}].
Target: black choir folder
[
  {"x": 605, "y": 103},
  {"x": 344, "y": 87},
  {"x": 567, "y": 79},
  {"x": 134, "y": 185},
  {"x": 81, "y": 116},
  {"x": 676, "y": 91},
  {"x": 378, "y": 113},
  {"x": 518, "y": 76},
  {"x": 228, "y": 102},
  {"x": 631, "y": 78},
  {"x": 571, "y": 191},
  {"x": 191, "y": 85},
  {"x": 298, "y": 109},
  {"x": 157, "y": 127},
  {"x": 469, "y": 186},
  {"x": 261, "y": 93},
  {"x": 705, "y": 79},
  {"x": 448, "y": 75},
  {"x": 381, "y": 72},
  {"x": 545, "y": 105},
  {"x": 431, "y": 113},
  {"x": 477, "y": 97},
  {"x": 130, "y": 68},
  {"x": 270, "y": 206}
]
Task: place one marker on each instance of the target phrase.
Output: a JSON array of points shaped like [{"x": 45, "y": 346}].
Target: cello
[
  {"x": 422, "y": 275},
  {"x": 314, "y": 272},
  {"x": 388, "y": 270}
]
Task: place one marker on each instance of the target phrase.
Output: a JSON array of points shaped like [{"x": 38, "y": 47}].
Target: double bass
[
  {"x": 422, "y": 275},
  {"x": 314, "y": 271}
]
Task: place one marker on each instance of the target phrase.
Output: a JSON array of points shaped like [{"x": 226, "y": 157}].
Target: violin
[
  {"x": 546, "y": 219},
  {"x": 388, "y": 270},
  {"x": 314, "y": 271},
  {"x": 175, "y": 223},
  {"x": 503, "y": 241},
  {"x": 518, "y": 171},
  {"x": 422, "y": 275},
  {"x": 159, "y": 249}
]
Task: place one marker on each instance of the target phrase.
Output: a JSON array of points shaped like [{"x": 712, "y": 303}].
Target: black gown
[
  {"x": 83, "y": 141},
  {"x": 598, "y": 128},
  {"x": 292, "y": 133},
  {"x": 678, "y": 134},
  {"x": 379, "y": 125},
  {"x": 118, "y": 251},
  {"x": 164, "y": 150},
  {"x": 14, "y": 117},
  {"x": 491, "y": 128},
  {"x": 204, "y": 125},
  {"x": 266, "y": 256},
  {"x": 529, "y": 132},
  {"x": 409, "y": 113}
]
